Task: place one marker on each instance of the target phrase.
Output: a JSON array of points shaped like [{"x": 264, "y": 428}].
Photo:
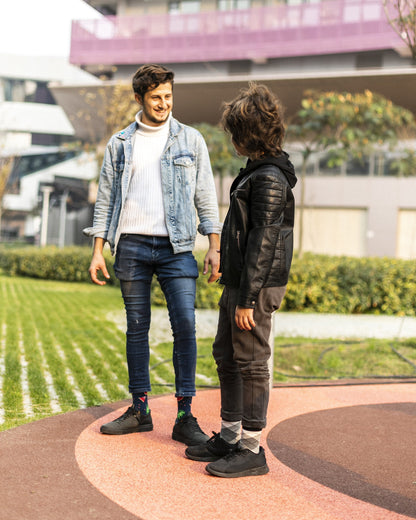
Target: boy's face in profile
[{"x": 239, "y": 149}]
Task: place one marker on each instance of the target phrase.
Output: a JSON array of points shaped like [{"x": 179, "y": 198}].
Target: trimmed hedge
[
  {"x": 71, "y": 264},
  {"x": 345, "y": 285},
  {"x": 318, "y": 283}
]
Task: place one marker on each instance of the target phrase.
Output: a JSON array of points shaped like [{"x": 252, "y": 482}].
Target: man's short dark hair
[
  {"x": 254, "y": 120},
  {"x": 149, "y": 77}
]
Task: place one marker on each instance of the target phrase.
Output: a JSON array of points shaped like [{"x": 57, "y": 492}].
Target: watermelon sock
[
  {"x": 140, "y": 403},
  {"x": 184, "y": 406}
]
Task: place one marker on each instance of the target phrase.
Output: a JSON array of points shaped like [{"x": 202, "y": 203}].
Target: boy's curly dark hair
[
  {"x": 254, "y": 120},
  {"x": 150, "y": 77}
]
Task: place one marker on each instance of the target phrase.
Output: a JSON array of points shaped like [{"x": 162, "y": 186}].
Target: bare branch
[{"x": 401, "y": 15}]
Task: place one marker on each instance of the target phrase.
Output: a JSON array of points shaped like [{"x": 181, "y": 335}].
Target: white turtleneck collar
[{"x": 147, "y": 129}]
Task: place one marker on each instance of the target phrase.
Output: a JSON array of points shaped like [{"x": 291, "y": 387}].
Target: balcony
[{"x": 330, "y": 27}]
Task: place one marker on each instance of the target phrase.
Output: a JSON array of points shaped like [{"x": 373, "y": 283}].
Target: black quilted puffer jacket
[{"x": 257, "y": 236}]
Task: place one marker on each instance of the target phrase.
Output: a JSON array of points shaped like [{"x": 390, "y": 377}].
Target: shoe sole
[
  {"x": 253, "y": 472},
  {"x": 211, "y": 458},
  {"x": 144, "y": 428},
  {"x": 179, "y": 438}
]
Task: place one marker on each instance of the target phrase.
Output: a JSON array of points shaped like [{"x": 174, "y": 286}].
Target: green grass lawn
[{"x": 60, "y": 351}]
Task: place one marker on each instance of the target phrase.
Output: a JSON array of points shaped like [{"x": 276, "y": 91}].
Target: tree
[
  {"x": 405, "y": 166},
  {"x": 224, "y": 160},
  {"x": 401, "y": 15},
  {"x": 114, "y": 105},
  {"x": 345, "y": 125}
]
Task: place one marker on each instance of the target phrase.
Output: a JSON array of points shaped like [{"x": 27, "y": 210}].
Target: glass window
[
  {"x": 295, "y": 2},
  {"x": 185, "y": 6},
  {"x": 14, "y": 90},
  {"x": 230, "y": 5},
  {"x": 184, "y": 24},
  {"x": 2, "y": 90},
  {"x": 30, "y": 90},
  {"x": 174, "y": 7},
  {"x": 358, "y": 166},
  {"x": 325, "y": 169},
  {"x": 26, "y": 91}
]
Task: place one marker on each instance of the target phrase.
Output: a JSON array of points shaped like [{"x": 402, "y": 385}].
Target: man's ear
[{"x": 138, "y": 98}]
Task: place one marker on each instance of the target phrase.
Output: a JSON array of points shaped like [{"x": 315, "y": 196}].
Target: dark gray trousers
[{"x": 242, "y": 358}]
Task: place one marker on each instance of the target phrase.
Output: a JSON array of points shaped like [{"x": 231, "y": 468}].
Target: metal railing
[{"x": 329, "y": 27}]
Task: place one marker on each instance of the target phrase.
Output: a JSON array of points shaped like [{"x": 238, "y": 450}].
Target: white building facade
[{"x": 35, "y": 139}]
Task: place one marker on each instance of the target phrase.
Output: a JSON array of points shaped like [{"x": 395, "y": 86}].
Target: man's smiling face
[{"x": 157, "y": 104}]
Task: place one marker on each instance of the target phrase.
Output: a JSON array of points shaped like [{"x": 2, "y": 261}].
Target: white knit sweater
[{"x": 143, "y": 212}]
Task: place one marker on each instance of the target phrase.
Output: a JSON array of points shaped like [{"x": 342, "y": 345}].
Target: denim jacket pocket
[
  {"x": 185, "y": 169},
  {"x": 184, "y": 160}
]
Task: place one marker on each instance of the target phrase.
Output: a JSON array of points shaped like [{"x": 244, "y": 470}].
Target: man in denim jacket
[{"x": 155, "y": 174}]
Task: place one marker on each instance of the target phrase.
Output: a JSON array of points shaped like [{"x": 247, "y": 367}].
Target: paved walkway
[
  {"x": 294, "y": 324},
  {"x": 335, "y": 452},
  {"x": 344, "y": 326}
]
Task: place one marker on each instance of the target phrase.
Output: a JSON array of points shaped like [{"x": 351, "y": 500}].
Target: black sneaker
[
  {"x": 130, "y": 422},
  {"x": 215, "y": 448},
  {"x": 187, "y": 430},
  {"x": 240, "y": 463}
]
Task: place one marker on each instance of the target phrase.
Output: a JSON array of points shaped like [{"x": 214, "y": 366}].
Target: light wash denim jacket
[{"x": 187, "y": 183}]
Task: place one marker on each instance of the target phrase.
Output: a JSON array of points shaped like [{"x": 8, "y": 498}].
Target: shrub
[
  {"x": 71, "y": 264},
  {"x": 339, "y": 284},
  {"x": 68, "y": 264},
  {"x": 317, "y": 283}
]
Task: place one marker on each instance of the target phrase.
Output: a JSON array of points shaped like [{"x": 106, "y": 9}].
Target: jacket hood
[{"x": 281, "y": 161}]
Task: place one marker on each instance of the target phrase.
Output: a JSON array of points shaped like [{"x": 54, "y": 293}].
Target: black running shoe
[
  {"x": 187, "y": 430},
  {"x": 130, "y": 422},
  {"x": 240, "y": 463},
  {"x": 215, "y": 448}
]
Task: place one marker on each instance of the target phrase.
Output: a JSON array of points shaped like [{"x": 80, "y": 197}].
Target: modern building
[
  {"x": 35, "y": 144},
  {"x": 216, "y": 46}
]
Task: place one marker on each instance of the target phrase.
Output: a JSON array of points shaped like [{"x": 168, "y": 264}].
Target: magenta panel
[{"x": 330, "y": 27}]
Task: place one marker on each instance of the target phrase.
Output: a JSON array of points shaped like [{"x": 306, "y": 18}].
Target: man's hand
[
  {"x": 244, "y": 318},
  {"x": 212, "y": 258},
  {"x": 98, "y": 263}
]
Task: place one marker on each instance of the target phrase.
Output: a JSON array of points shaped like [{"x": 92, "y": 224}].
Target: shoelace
[
  {"x": 127, "y": 413},
  {"x": 239, "y": 452},
  {"x": 214, "y": 437},
  {"x": 193, "y": 424}
]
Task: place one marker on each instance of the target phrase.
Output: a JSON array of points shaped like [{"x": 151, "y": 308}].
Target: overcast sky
[{"x": 40, "y": 27}]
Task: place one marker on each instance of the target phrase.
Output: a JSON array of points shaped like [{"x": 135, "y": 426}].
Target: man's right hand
[{"x": 98, "y": 263}]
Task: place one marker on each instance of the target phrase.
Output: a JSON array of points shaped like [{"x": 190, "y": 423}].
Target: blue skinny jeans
[{"x": 138, "y": 258}]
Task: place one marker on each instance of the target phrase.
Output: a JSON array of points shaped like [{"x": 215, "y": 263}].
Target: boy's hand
[
  {"x": 244, "y": 318},
  {"x": 212, "y": 258}
]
